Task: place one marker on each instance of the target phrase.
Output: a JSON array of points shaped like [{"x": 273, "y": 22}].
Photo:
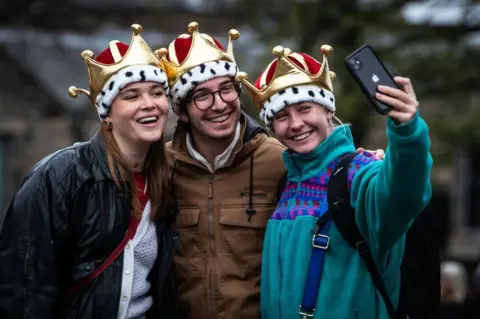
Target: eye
[
  {"x": 158, "y": 93},
  {"x": 228, "y": 88},
  {"x": 281, "y": 117},
  {"x": 305, "y": 108},
  {"x": 130, "y": 97},
  {"x": 201, "y": 96}
]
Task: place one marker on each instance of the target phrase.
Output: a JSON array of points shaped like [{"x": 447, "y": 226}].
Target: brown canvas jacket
[{"x": 217, "y": 265}]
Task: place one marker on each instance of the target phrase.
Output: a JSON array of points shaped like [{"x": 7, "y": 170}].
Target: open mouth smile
[
  {"x": 148, "y": 120},
  {"x": 219, "y": 119},
  {"x": 301, "y": 137}
]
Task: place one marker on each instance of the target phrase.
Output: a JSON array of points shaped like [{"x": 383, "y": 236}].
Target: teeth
[
  {"x": 147, "y": 119},
  {"x": 301, "y": 136},
  {"x": 219, "y": 119}
]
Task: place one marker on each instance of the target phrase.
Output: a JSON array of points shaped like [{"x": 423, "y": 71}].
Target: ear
[{"x": 330, "y": 115}]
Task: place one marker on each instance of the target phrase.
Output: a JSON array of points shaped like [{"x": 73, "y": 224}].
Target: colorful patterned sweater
[{"x": 386, "y": 195}]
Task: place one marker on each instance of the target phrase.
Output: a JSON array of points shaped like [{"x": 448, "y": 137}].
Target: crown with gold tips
[
  {"x": 194, "y": 58},
  {"x": 116, "y": 67},
  {"x": 289, "y": 79}
]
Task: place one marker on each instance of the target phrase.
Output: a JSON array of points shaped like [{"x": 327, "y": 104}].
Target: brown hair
[{"x": 155, "y": 168}]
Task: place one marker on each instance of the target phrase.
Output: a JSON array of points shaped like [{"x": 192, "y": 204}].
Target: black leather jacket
[{"x": 65, "y": 220}]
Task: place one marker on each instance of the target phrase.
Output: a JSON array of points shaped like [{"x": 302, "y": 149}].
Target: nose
[
  {"x": 218, "y": 103},
  {"x": 296, "y": 122},
  {"x": 148, "y": 102}
]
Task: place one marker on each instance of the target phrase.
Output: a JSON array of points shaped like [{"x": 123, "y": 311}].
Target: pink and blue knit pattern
[{"x": 310, "y": 199}]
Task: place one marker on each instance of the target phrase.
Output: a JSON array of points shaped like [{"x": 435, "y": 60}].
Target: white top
[{"x": 138, "y": 259}]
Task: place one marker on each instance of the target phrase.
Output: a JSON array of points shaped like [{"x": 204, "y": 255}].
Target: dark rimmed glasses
[{"x": 205, "y": 100}]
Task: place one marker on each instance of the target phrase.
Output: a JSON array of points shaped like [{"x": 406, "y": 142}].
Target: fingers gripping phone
[{"x": 369, "y": 72}]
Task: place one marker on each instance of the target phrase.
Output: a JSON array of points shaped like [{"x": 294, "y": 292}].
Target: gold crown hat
[
  {"x": 195, "y": 58},
  {"x": 293, "y": 77},
  {"x": 116, "y": 67}
]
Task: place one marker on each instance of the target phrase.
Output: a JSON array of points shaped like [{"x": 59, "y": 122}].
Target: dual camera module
[{"x": 355, "y": 63}]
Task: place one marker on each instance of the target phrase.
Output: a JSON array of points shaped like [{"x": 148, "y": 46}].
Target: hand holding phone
[
  {"x": 380, "y": 87},
  {"x": 403, "y": 103}
]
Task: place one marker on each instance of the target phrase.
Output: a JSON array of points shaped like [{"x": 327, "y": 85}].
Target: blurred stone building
[{"x": 39, "y": 63}]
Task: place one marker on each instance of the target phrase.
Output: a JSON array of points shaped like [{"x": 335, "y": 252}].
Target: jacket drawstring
[{"x": 250, "y": 211}]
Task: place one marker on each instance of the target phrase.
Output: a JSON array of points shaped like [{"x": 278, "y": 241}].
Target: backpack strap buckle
[
  {"x": 320, "y": 241},
  {"x": 305, "y": 313}
]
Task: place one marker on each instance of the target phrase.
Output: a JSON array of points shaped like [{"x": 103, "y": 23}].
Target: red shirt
[
  {"x": 143, "y": 197},
  {"x": 140, "y": 180}
]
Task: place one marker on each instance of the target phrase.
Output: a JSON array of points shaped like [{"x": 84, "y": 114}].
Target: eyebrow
[{"x": 220, "y": 86}]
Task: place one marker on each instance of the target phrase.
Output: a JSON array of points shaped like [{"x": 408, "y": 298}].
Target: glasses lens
[
  {"x": 203, "y": 101},
  {"x": 229, "y": 93}
]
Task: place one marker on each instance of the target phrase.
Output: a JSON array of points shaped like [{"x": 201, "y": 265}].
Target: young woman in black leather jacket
[{"x": 87, "y": 235}]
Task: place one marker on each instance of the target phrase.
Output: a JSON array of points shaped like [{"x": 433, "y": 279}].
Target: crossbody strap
[{"x": 83, "y": 282}]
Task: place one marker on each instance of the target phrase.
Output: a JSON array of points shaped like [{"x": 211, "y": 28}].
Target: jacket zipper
[
  {"x": 291, "y": 201},
  {"x": 211, "y": 241}
]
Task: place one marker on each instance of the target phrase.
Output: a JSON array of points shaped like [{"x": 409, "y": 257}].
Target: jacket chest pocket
[
  {"x": 242, "y": 236},
  {"x": 186, "y": 223},
  {"x": 188, "y": 255}
]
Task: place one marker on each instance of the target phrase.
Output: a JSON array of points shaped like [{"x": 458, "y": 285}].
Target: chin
[
  {"x": 150, "y": 138},
  {"x": 221, "y": 134},
  {"x": 304, "y": 148},
  {"x": 301, "y": 149}
]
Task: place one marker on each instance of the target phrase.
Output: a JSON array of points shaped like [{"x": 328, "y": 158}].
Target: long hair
[{"x": 155, "y": 169}]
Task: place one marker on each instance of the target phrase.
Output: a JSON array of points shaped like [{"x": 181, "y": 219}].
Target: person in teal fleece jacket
[{"x": 297, "y": 104}]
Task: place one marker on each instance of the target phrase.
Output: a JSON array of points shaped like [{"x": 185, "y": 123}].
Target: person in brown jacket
[{"x": 225, "y": 169}]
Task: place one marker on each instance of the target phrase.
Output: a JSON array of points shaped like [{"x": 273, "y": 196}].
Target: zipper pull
[{"x": 250, "y": 213}]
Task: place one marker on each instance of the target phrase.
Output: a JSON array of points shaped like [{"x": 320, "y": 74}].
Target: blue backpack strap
[{"x": 321, "y": 240}]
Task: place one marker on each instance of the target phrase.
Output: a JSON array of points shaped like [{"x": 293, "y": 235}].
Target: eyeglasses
[{"x": 205, "y": 100}]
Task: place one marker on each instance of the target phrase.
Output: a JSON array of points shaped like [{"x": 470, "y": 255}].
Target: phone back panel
[{"x": 369, "y": 72}]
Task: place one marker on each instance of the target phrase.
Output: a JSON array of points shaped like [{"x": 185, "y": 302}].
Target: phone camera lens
[{"x": 356, "y": 63}]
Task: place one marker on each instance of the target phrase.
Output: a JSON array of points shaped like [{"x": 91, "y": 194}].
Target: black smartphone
[{"x": 369, "y": 71}]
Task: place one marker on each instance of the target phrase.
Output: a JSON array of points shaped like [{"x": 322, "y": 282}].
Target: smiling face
[
  {"x": 214, "y": 117},
  {"x": 139, "y": 114},
  {"x": 302, "y": 126}
]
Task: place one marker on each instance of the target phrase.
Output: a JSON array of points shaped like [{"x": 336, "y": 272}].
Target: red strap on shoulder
[
  {"x": 132, "y": 229},
  {"x": 82, "y": 282}
]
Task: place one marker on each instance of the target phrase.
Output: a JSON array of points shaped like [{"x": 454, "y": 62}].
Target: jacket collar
[{"x": 252, "y": 128}]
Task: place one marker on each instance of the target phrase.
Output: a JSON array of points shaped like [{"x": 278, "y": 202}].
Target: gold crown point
[
  {"x": 326, "y": 49},
  {"x": 87, "y": 54},
  {"x": 136, "y": 28},
  {"x": 287, "y": 51},
  {"x": 193, "y": 27},
  {"x": 333, "y": 76},
  {"x": 234, "y": 34},
  {"x": 161, "y": 52},
  {"x": 72, "y": 91},
  {"x": 278, "y": 51},
  {"x": 241, "y": 76}
]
